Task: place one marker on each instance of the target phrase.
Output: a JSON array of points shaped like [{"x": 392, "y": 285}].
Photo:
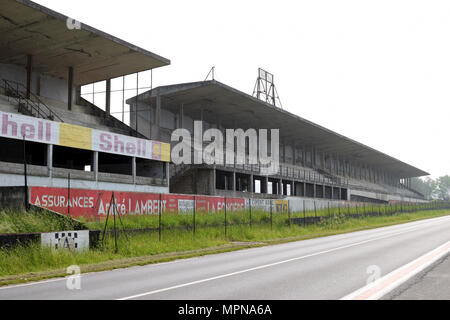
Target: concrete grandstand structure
[
  {"x": 44, "y": 64},
  {"x": 314, "y": 161}
]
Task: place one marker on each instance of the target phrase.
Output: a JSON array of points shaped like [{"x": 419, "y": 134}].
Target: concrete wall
[
  {"x": 14, "y": 180},
  {"x": 50, "y": 87},
  {"x": 12, "y": 197}
]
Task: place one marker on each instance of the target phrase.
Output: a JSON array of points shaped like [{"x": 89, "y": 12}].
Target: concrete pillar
[
  {"x": 29, "y": 74},
  {"x": 133, "y": 169},
  {"x": 304, "y": 189},
  {"x": 314, "y": 190},
  {"x": 70, "y": 89},
  {"x": 266, "y": 183},
  {"x": 212, "y": 190},
  {"x": 251, "y": 184},
  {"x": 181, "y": 119},
  {"x": 95, "y": 165},
  {"x": 108, "y": 98},
  {"x": 50, "y": 160},
  {"x": 293, "y": 188},
  {"x": 233, "y": 182},
  {"x": 168, "y": 174},
  {"x": 281, "y": 187},
  {"x": 340, "y": 193},
  {"x": 158, "y": 119}
]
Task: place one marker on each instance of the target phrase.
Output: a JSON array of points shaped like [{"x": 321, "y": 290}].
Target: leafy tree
[
  {"x": 443, "y": 187},
  {"x": 433, "y": 188}
]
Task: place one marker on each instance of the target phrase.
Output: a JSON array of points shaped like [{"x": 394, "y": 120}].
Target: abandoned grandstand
[{"x": 44, "y": 64}]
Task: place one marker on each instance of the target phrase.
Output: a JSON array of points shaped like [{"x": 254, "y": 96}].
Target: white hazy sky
[{"x": 375, "y": 71}]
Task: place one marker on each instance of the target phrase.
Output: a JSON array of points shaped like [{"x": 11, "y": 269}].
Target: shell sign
[{"x": 16, "y": 126}]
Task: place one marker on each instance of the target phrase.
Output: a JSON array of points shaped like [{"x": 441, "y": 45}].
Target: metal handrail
[{"x": 37, "y": 106}]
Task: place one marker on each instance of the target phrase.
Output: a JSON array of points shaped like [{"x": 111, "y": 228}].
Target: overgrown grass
[
  {"x": 22, "y": 260},
  {"x": 21, "y": 221}
]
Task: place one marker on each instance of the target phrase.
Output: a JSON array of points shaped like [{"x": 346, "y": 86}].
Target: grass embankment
[
  {"x": 32, "y": 263},
  {"x": 21, "y": 221}
]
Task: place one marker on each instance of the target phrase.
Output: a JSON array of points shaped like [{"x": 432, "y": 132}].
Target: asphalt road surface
[{"x": 322, "y": 268}]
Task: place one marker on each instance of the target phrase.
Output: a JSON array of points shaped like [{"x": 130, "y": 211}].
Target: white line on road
[
  {"x": 389, "y": 282},
  {"x": 267, "y": 265}
]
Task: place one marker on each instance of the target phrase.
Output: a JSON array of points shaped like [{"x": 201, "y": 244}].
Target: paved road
[
  {"x": 322, "y": 268},
  {"x": 431, "y": 284}
]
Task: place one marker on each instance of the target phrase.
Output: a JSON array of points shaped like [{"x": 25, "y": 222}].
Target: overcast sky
[{"x": 375, "y": 71}]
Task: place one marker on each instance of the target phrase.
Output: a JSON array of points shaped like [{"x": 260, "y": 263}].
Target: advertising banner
[
  {"x": 94, "y": 204},
  {"x": 17, "y": 126}
]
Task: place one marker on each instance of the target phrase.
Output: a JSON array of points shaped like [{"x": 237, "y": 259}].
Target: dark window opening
[
  {"x": 12, "y": 151},
  {"x": 224, "y": 180},
  {"x": 242, "y": 182},
  {"x": 150, "y": 168},
  {"x": 113, "y": 163},
  {"x": 72, "y": 158}
]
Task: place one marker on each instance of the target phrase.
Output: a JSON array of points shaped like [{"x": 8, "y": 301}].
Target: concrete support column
[
  {"x": 29, "y": 74},
  {"x": 323, "y": 191},
  {"x": 95, "y": 165},
  {"x": 314, "y": 190},
  {"x": 168, "y": 174},
  {"x": 293, "y": 188},
  {"x": 281, "y": 187},
  {"x": 181, "y": 119},
  {"x": 251, "y": 184},
  {"x": 266, "y": 183},
  {"x": 340, "y": 193},
  {"x": 332, "y": 192},
  {"x": 213, "y": 182},
  {"x": 50, "y": 160},
  {"x": 158, "y": 119},
  {"x": 133, "y": 169},
  {"x": 233, "y": 181},
  {"x": 304, "y": 189},
  {"x": 70, "y": 89},
  {"x": 108, "y": 98}
]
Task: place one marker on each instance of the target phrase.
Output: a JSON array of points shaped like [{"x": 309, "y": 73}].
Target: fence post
[
  {"x": 304, "y": 214},
  {"x": 160, "y": 214},
  {"x": 271, "y": 214},
  {"x": 329, "y": 214},
  {"x": 68, "y": 194},
  {"x": 195, "y": 205},
  {"x": 315, "y": 212},
  {"x": 250, "y": 204},
  {"x": 25, "y": 174},
  {"x": 289, "y": 213},
  {"x": 225, "y": 223}
]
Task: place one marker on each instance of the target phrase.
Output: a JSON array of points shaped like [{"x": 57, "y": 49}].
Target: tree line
[{"x": 438, "y": 189}]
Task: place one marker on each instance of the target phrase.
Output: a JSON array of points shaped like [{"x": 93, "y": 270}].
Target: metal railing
[
  {"x": 33, "y": 106},
  {"x": 285, "y": 172}
]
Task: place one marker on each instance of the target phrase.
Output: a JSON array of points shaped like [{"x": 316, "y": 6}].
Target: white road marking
[
  {"x": 389, "y": 282},
  {"x": 268, "y": 265}
]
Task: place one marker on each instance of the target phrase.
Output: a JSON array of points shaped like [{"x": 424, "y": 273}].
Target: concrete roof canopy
[
  {"x": 233, "y": 107},
  {"x": 28, "y": 28}
]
